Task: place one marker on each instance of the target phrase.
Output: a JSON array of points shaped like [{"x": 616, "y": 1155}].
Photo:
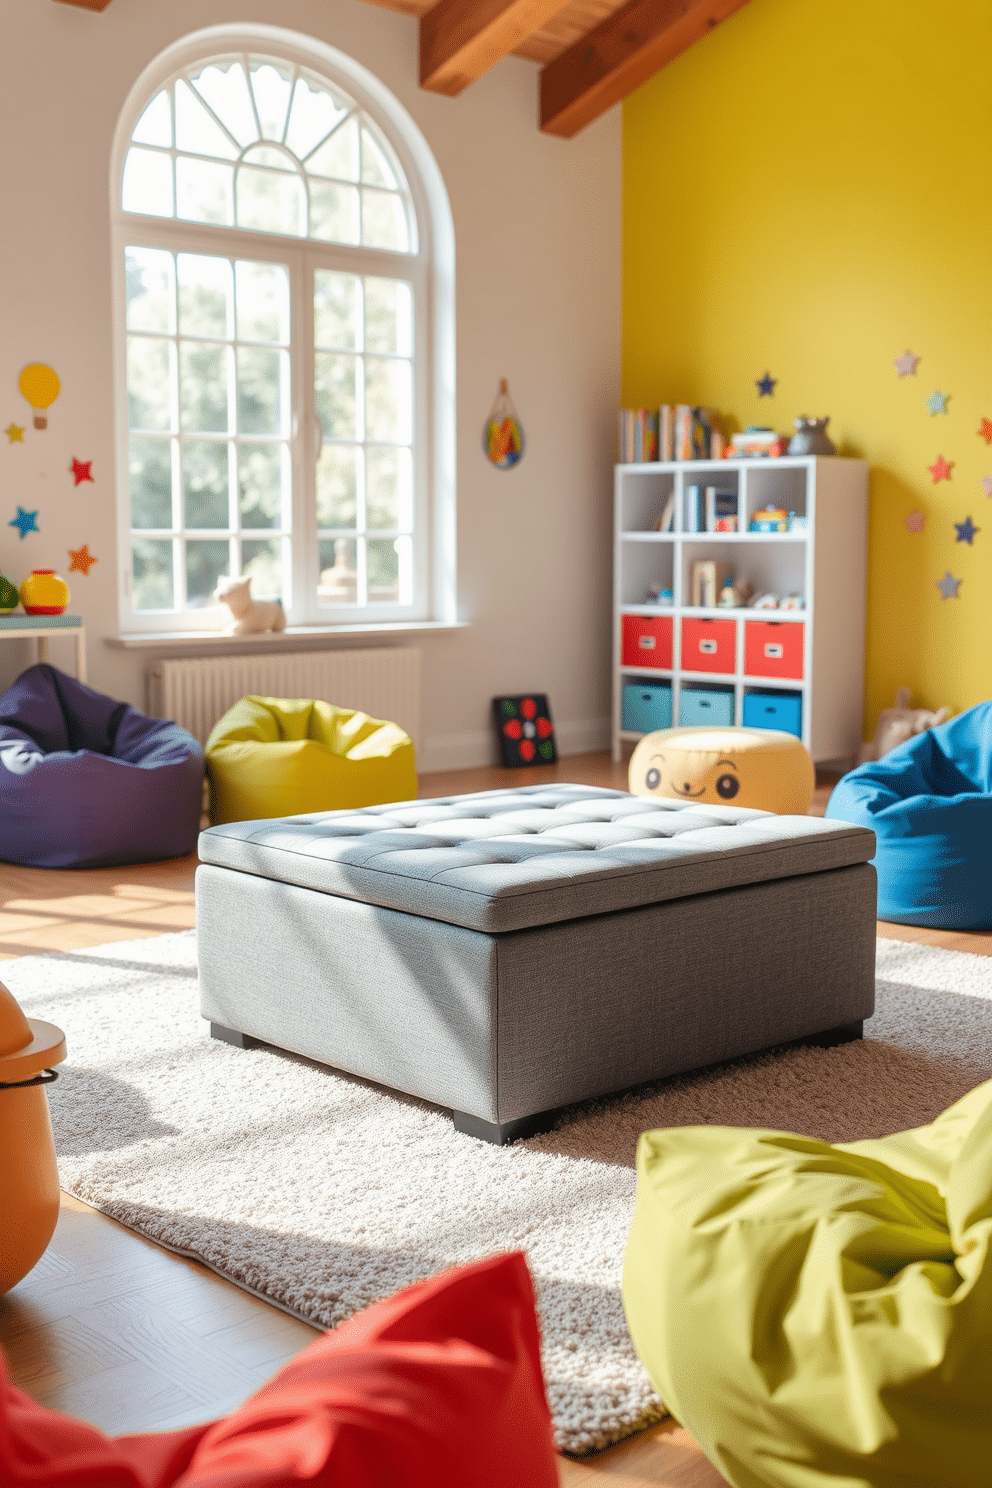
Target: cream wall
[{"x": 537, "y": 231}]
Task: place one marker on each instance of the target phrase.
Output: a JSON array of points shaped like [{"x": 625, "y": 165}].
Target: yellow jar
[
  {"x": 29, "y": 1177},
  {"x": 44, "y": 592}
]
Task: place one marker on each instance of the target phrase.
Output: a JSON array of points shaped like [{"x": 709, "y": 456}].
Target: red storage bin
[
  {"x": 709, "y": 645},
  {"x": 646, "y": 641},
  {"x": 773, "y": 649}
]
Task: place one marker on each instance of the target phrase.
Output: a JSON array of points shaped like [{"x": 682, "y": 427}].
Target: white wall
[{"x": 537, "y": 225}]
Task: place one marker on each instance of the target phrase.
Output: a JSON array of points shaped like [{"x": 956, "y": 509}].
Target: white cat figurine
[{"x": 249, "y": 616}]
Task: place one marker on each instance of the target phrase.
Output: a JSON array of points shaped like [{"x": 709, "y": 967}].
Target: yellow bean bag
[
  {"x": 280, "y": 756},
  {"x": 764, "y": 769},
  {"x": 821, "y": 1315}
]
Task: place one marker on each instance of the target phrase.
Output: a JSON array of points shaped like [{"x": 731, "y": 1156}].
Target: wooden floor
[{"x": 112, "y": 1328}]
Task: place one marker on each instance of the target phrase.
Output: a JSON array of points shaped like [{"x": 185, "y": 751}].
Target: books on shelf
[
  {"x": 672, "y": 432},
  {"x": 638, "y": 436},
  {"x": 755, "y": 441},
  {"x": 708, "y": 578},
  {"x": 666, "y": 517},
  {"x": 721, "y": 510}
]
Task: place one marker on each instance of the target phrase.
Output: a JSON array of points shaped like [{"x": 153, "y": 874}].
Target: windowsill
[{"x": 269, "y": 640}]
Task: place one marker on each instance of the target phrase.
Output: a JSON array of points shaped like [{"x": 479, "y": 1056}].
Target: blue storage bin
[
  {"x": 774, "y": 710},
  {"x": 713, "y": 705},
  {"x": 646, "y": 706}
]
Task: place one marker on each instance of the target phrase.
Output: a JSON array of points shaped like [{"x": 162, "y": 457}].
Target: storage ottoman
[{"x": 508, "y": 953}]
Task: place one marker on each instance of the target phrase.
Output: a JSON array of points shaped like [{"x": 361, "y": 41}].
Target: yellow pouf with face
[{"x": 760, "y": 768}]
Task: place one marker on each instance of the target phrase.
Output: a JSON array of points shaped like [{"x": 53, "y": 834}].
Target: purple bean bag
[{"x": 87, "y": 782}]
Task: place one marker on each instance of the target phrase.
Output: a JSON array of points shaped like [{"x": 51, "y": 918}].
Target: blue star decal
[
  {"x": 937, "y": 402},
  {"x": 949, "y": 586},
  {"x": 766, "y": 385},
  {"x": 965, "y": 531},
  {"x": 25, "y": 522}
]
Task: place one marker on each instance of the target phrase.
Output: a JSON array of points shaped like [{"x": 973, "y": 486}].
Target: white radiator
[{"x": 385, "y": 683}]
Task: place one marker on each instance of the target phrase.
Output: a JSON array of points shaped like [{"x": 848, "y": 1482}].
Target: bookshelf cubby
[{"x": 804, "y": 667}]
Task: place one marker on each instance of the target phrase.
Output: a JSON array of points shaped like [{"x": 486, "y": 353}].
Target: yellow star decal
[
  {"x": 82, "y": 559},
  {"x": 15, "y": 433}
]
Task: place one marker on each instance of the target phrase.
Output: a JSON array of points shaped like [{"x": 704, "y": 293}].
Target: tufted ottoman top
[{"x": 502, "y": 860}]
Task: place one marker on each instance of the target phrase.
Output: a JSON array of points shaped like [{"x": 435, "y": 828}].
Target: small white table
[{"x": 40, "y": 628}]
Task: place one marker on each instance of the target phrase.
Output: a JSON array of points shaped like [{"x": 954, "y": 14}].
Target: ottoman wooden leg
[
  {"x": 232, "y": 1036},
  {"x": 502, "y": 1132}
]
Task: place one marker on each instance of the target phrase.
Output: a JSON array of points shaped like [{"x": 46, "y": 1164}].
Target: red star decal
[
  {"x": 914, "y": 522},
  {"x": 941, "y": 469},
  {"x": 984, "y": 430},
  {"x": 82, "y": 559},
  {"x": 82, "y": 470}
]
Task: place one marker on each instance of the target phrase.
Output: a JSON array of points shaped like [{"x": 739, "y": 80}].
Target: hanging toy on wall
[
  {"x": 503, "y": 438},
  {"x": 40, "y": 386}
]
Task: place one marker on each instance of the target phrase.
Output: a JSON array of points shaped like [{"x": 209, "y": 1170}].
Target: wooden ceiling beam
[
  {"x": 619, "y": 54},
  {"x": 462, "y": 39}
]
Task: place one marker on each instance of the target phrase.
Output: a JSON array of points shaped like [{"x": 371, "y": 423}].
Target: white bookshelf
[{"x": 825, "y": 563}]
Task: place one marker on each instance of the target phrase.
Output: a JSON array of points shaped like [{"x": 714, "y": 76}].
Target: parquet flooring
[{"x": 122, "y": 1333}]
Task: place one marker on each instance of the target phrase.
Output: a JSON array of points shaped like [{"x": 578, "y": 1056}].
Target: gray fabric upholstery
[{"x": 504, "y": 860}]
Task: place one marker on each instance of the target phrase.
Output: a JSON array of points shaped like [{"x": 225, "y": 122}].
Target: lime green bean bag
[
  {"x": 281, "y": 756},
  {"x": 821, "y": 1315}
]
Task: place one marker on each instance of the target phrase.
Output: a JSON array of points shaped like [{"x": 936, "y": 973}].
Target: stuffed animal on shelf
[
  {"x": 249, "y": 616},
  {"x": 896, "y": 725}
]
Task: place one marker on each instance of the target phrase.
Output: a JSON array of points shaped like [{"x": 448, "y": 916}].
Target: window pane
[
  {"x": 269, "y": 155},
  {"x": 377, "y": 166},
  {"x": 384, "y": 222},
  {"x": 205, "y": 484},
  {"x": 263, "y": 480},
  {"x": 389, "y": 489},
  {"x": 262, "y": 375},
  {"x": 147, "y": 185},
  {"x": 339, "y": 156},
  {"x": 203, "y": 191},
  {"x": 271, "y": 202},
  {"x": 338, "y": 578},
  {"x": 263, "y": 302},
  {"x": 335, "y": 394},
  {"x": 207, "y": 560},
  {"x": 225, "y": 88},
  {"x": 262, "y": 563},
  {"x": 205, "y": 295},
  {"x": 387, "y": 400},
  {"x": 336, "y": 310},
  {"x": 203, "y": 384},
  {"x": 155, "y": 125},
  {"x": 382, "y": 557},
  {"x": 388, "y": 316},
  {"x": 149, "y": 274},
  {"x": 149, "y": 385},
  {"x": 337, "y": 485},
  {"x": 314, "y": 114},
  {"x": 271, "y": 87},
  {"x": 334, "y": 212},
  {"x": 196, "y": 131},
  {"x": 151, "y": 567},
  {"x": 150, "y": 473}
]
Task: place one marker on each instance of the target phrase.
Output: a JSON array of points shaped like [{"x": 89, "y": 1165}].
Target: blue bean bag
[
  {"x": 86, "y": 782},
  {"x": 929, "y": 803}
]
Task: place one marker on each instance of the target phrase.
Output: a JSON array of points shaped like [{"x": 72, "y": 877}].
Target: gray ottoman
[{"x": 507, "y": 953}]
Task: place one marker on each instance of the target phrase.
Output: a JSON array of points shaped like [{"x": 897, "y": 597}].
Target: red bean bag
[{"x": 437, "y": 1387}]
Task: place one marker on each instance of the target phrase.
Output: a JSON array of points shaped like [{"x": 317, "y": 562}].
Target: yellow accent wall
[{"x": 808, "y": 192}]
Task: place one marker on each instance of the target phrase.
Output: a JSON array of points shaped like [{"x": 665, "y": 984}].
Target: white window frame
[{"x": 430, "y": 272}]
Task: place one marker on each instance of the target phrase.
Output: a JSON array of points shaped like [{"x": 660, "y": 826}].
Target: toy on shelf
[
  {"x": 756, "y": 442},
  {"x": 249, "y": 616},
  {"x": 8, "y": 596},
  {"x": 798, "y": 522},
  {"x": 792, "y": 602},
  {"x": 659, "y": 595},
  {"x": 896, "y": 725},
  {"x": 811, "y": 437},
  {"x": 766, "y": 602},
  {"x": 735, "y": 594},
  {"x": 769, "y": 519},
  {"x": 44, "y": 592}
]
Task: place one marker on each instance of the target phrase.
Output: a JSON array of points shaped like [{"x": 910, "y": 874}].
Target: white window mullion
[{"x": 303, "y": 450}]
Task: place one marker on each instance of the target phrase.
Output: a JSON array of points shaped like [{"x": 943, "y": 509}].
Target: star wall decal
[
  {"x": 914, "y": 522},
  {"x": 949, "y": 586},
  {"x": 966, "y": 531},
  {"x": 937, "y": 402},
  {"x": 82, "y": 470},
  {"x": 941, "y": 469},
  {"x": 83, "y": 560},
  {"x": 25, "y": 522},
  {"x": 987, "y": 484},
  {"x": 765, "y": 385},
  {"x": 905, "y": 364},
  {"x": 15, "y": 433},
  {"x": 984, "y": 430}
]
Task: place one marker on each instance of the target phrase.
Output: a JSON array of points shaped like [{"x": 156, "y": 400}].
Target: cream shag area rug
[{"x": 322, "y": 1193}]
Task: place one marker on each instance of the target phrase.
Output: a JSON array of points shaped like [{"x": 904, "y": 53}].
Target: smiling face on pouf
[{"x": 762, "y": 769}]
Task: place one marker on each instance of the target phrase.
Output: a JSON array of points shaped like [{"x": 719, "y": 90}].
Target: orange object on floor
[{"x": 29, "y": 1179}]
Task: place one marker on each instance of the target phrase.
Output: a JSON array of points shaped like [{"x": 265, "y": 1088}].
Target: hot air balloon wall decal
[
  {"x": 40, "y": 386},
  {"x": 503, "y": 436}
]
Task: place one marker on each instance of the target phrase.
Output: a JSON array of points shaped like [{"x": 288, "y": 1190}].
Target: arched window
[{"x": 286, "y": 281}]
